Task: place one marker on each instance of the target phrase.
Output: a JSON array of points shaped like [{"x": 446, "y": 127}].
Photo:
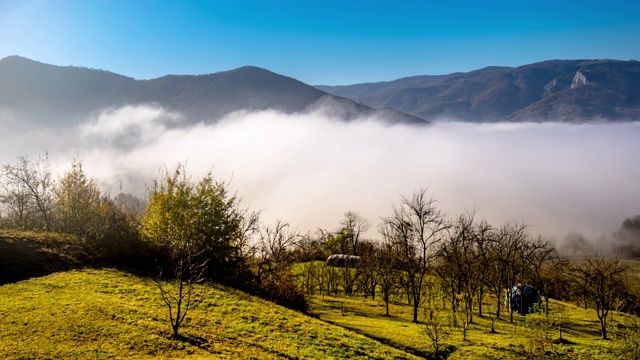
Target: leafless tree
[
  {"x": 308, "y": 254},
  {"x": 437, "y": 328},
  {"x": 508, "y": 261},
  {"x": 352, "y": 227},
  {"x": 415, "y": 228},
  {"x": 249, "y": 226},
  {"x": 27, "y": 190},
  {"x": 547, "y": 265},
  {"x": 387, "y": 269},
  {"x": 464, "y": 262},
  {"x": 604, "y": 280},
  {"x": 366, "y": 269},
  {"x": 178, "y": 290},
  {"x": 575, "y": 244},
  {"x": 627, "y": 238},
  {"x": 275, "y": 246}
]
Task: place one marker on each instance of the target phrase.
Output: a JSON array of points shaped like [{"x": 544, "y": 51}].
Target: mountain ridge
[
  {"x": 66, "y": 95},
  {"x": 560, "y": 90}
]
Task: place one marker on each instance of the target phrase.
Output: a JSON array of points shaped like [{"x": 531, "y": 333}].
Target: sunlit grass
[
  {"x": 102, "y": 314},
  {"x": 580, "y": 328}
]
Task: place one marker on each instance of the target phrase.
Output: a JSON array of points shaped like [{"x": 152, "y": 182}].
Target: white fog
[{"x": 309, "y": 170}]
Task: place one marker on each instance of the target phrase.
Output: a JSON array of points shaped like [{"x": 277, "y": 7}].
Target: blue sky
[{"x": 318, "y": 42}]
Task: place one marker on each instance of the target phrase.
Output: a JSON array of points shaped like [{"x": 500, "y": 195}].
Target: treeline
[
  {"x": 188, "y": 229},
  {"x": 33, "y": 198},
  {"x": 428, "y": 260}
]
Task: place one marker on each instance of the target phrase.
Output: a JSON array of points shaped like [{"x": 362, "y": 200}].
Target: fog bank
[{"x": 309, "y": 169}]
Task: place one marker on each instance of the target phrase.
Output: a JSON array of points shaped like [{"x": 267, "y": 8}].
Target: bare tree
[
  {"x": 604, "y": 283},
  {"x": 249, "y": 226},
  {"x": 275, "y": 246},
  {"x": 463, "y": 262},
  {"x": 308, "y": 253},
  {"x": 415, "y": 228},
  {"x": 352, "y": 227},
  {"x": 627, "y": 238},
  {"x": 14, "y": 197},
  {"x": 437, "y": 328},
  {"x": 272, "y": 276},
  {"x": 178, "y": 290},
  {"x": 28, "y": 191},
  {"x": 546, "y": 267},
  {"x": 387, "y": 272},
  {"x": 575, "y": 244},
  {"x": 508, "y": 261},
  {"x": 366, "y": 269},
  {"x": 449, "y": 277}
]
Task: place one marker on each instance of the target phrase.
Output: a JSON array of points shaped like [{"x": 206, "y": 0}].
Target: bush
[{"x": 282, "y": 289}]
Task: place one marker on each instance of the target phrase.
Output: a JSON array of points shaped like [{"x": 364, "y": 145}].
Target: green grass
[
  {"x": 580, "y": 329},
  {"x": 108, "y": 314}
]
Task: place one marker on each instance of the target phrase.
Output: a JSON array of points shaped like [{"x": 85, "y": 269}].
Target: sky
[{"x": 318, "y": 42}]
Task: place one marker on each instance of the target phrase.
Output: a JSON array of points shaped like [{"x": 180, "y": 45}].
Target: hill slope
[
  {"x": 564, "y": 90},
  {"x": 65, "y": 95},
  {"x": 24, "y": 255},
  {"x": 109, "y": 314}
]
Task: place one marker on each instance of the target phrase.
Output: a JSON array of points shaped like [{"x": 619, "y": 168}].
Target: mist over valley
[{"x": 308, "y": 159}]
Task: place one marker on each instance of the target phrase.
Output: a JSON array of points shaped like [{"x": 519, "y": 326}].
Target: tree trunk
[
  {"x": 386, "y": 302},
  {"x": 603, "y": 325},
  {"x": 546, "y": 307}
]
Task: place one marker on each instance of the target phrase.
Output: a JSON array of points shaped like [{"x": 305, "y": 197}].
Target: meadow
[
  {"x": 107, "y": 314},
  {"x": 530, "y": 336}
]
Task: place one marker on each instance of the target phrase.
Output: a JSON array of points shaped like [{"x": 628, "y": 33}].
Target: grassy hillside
[
  {"x": 24, "y": 255},
  {"x": 100, "y": 314},
  {"x": 580, "y": 330}
]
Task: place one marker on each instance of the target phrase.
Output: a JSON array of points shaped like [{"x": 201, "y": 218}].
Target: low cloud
[
  {"x": 128, "y": 127},
  {"x": 309, "y": 169}
]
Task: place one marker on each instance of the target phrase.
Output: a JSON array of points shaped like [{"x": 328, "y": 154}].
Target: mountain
[
  {"x": 555, "y": 90},
  {"x": 66, "y": 95}
]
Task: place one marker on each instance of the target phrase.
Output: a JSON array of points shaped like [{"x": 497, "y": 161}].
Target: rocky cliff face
[
  {"x": 559, "y": 90},
  {"x": 578, "y": 79}
]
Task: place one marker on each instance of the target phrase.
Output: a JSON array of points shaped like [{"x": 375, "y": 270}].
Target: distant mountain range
[
  {"x": 52, "y": 95},
  {"x": 557, "y": 90}
]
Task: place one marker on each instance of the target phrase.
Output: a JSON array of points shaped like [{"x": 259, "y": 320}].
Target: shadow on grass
[
  {"x": 563, "y": 342},
  {"x": 442, "y": 354},
  {"x": 25, "y": 255},
  {"x": 22, "y": 259},
  {"x": 190, "y": 339}
]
